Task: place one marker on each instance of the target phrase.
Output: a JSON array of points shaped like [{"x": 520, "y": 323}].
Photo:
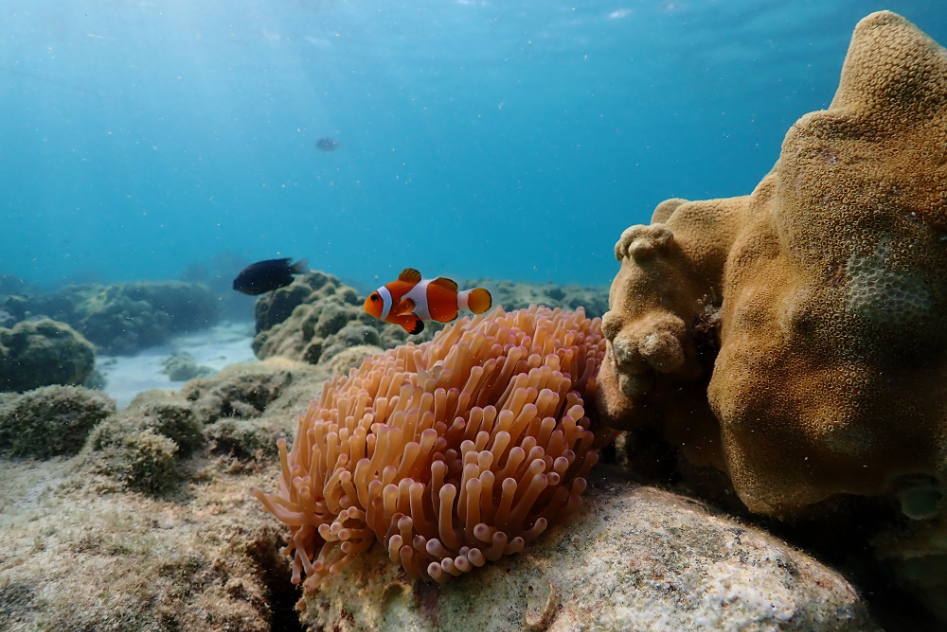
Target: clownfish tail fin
[{"x": 479, "y": 300}]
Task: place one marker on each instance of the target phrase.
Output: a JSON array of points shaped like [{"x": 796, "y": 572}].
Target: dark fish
[
  {"x": 327, "y": 144},
  {"x": 271, "y": 274}
]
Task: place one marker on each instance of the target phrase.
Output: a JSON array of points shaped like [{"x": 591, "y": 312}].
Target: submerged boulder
[
  {"x": 50, "y": 421},
  {"x": 127, "y": 317},
  {"x": 142, "y": 445},
  {"x": 123, "y": 317},
  {"x": 635, "y": 558},
  {"x": 34, "y": 354},
  {"x": 182, "y": 367}
]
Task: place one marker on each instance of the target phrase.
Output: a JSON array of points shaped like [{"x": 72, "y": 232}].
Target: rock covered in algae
[
  {"x": 141, "y": 445},
  {"x": 796, "y": 337},
  {"x": 79, "y": 555},
  {"x": 50, "y": 421},
  {"x": 125, "y": 317},
  {"x": 241, "y": 411},
  {"x": 182, "y": 367},
  {"x": 34, "y": 354},
  {"x": 317, "y": 317},
  {"x": 635, "y": 558},
  {"x": 520, "y": 295},
  {"x": 163, "y": 536}
]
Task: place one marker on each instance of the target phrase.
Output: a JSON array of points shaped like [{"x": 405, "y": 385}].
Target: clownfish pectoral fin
[
  {"x": 445, "y": 283},
  {"x": 411, "y": 324},
  {"x": 410, "y": 275},
  {"x": 404, "y": 306}
]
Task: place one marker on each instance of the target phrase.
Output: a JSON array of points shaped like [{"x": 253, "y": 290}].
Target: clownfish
[{"x": 411, "y": 300}]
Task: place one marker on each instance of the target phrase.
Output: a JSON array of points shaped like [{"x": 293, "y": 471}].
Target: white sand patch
[{"x": 218, "y": 347}]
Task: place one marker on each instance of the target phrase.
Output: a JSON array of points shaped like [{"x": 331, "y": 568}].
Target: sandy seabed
[{"x": 217, "y": 347}]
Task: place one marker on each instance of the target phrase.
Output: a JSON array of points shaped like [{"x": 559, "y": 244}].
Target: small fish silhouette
[
  {"x": 264, "y": 276},
  {"x": 327, "y": 144}
]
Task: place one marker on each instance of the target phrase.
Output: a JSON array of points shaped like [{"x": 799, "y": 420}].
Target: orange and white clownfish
[{"x": 411, "y": 300}]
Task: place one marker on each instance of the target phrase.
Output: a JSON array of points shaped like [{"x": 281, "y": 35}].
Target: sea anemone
[{"x": 451, "y": 453}]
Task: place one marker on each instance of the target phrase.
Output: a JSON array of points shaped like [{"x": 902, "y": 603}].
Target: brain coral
[
  {"x": 451, "y": 453},
  {"x": 796, "y": 337}
]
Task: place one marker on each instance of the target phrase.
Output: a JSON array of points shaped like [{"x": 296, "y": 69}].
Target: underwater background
[
  {"x": 475, "y": 138},
  {"x": 785, "y": 467}
]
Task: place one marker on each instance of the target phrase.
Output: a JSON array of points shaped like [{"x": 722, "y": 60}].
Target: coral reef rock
[
  {"x": 277, "y": 386},
  {"x": 124, "y": 318},
  {"x": 514, "y": 295},
  {"x": 50, "y": 421},
  {"x": 317, "y": 317},
  {"x": 152, "y": 527},
  {"x": 34, "y": 354},
  {"x": 140, "y": 445},
  {"x": 634, "y": 558},
  {"x": 797, "y": 337},
  {"x": 127, "y": 317},
  {"x": 241, "y": 411},
  {"x": 80, "y": 556},
  {"x": 182, "y": 367}
]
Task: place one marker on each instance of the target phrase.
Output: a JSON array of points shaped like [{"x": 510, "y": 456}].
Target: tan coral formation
[
  {"x": 796, "y": 337},
  {"x": 451, "y": 454}
]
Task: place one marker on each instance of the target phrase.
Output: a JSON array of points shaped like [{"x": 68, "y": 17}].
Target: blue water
[{"x": 511, "y": 139}]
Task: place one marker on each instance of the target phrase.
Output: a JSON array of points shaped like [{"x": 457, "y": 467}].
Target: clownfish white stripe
[
  {"x": 462, "y": 298},
  {"x": 386, "y": 298},
  {"x": 411, "y": 299},
  {"x": 418, "y": 294}
]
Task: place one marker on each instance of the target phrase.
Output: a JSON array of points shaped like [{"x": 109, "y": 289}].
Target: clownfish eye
[{"x": 374, "y": 296}]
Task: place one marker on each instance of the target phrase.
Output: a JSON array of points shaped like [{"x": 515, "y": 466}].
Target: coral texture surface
[
  {"x": 451, "y": 453},
  {"x": 796, "y": 337}
]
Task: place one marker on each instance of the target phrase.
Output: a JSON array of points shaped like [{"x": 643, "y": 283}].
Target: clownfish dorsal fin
[
  {"x": 445, "y": 283},
  {"x": 410, "y": 275},
  {"x": 404, "y": 306}
]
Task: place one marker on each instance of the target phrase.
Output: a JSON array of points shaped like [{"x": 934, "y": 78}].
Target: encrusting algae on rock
[{"x": 451, "y": 453}]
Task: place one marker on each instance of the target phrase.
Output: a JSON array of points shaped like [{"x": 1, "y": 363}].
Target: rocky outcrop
[
  {"x": 182, "y": 367},
  {"x": 123, "y": 317},
  {"x": 50, "y": 421},
  {"x": 44, "y": 352},
  {"x": 635, "y": 558}
]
